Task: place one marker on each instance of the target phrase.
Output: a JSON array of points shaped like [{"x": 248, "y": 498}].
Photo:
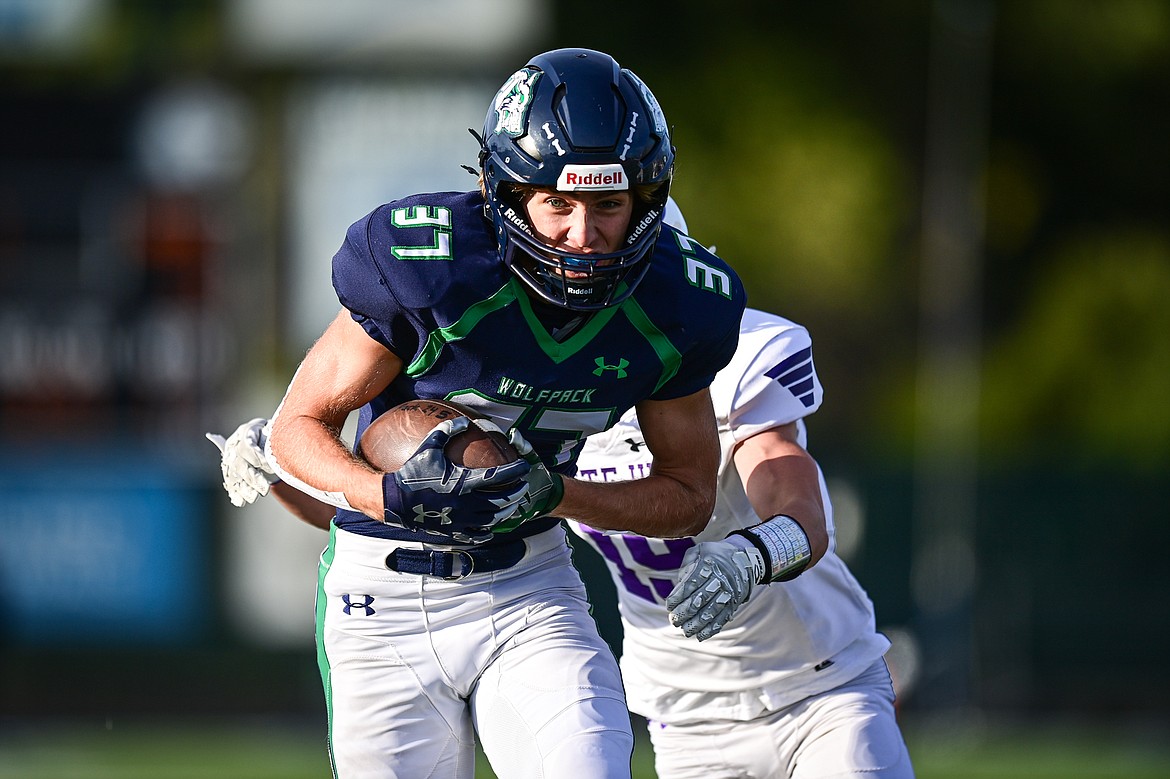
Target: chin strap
[{"x": 777, "y": 548}]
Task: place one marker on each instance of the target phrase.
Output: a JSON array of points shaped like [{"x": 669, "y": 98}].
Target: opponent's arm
[
  {"x": 780, "y": 477},
  {"x": 248, "y": 475},
  {"x": 676, "y": 498},
  {"x": 304, "y": 507},
  {"x": 782, "y": 482}
]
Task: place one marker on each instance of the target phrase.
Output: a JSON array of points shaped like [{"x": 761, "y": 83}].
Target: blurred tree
[
  {"x": 800, "y": 129},
  {"x": 1085, "y": 374}
]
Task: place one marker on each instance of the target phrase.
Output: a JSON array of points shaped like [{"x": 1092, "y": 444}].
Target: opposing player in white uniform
[{"x": 765, "y": 679}]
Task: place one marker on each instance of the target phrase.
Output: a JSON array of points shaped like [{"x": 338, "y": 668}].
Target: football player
[
  {"x": 551, "y": 300},
  {"x": 774, "y": 667}
]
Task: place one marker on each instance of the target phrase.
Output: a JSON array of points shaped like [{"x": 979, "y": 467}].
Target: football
[{"x": 394, "y": 436}]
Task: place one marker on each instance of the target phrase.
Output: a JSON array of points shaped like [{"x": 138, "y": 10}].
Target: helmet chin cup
[
  {"x": 574, "y": 120},
  {"x": 574, "y": 283}
]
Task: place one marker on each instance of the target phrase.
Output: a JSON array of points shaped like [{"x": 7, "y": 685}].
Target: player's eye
[{"x": 615, "y": 203}]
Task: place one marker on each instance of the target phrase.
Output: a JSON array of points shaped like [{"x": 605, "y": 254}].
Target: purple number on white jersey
[{"x": 640, "y": 551}]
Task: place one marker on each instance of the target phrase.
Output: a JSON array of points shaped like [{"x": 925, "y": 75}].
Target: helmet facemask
[{"x": 580, "y": 282}]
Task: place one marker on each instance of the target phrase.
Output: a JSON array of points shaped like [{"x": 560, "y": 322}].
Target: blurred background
[{"x": 967, "y": 202}]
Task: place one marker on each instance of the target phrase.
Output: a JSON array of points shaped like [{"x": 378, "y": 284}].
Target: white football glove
[
  {"x": 247, "y": 474},
  {"x": 716, "y": 577}
]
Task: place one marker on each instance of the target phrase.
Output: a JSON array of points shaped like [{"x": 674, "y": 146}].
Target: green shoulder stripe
[
  {"x": 454, "y": 332},
  {"x": 667, "y": 353}
]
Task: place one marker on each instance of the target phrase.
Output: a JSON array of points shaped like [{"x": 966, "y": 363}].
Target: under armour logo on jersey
[
  {"x": 621, "y": 366},
  {"x": 363, "y": 604},
  {"x": 424, "y": 517},
  {"x": 796, "y": 375},
  {"x": 635, "y": 446}
]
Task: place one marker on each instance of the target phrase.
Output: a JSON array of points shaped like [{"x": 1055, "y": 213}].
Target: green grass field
[{"x": 145, "y": 750}]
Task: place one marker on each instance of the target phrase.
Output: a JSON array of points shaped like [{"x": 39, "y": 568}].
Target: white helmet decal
[
  {"x": 651, "y": 102},
  {"x": 513, "y": 101},
  {"x": 574, "y": 178}
]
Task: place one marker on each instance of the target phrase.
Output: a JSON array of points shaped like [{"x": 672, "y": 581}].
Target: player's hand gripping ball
[
  {"x": 545, "y": 488},
  {"x": 459, "y": 483}
]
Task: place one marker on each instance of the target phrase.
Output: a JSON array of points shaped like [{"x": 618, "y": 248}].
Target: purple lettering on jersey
[
  {"x": 591, "y": 474},
  {"x": 640, "y": 551},
  {"x": 670, "y": 560},
  {"x": 639, "y": 470},
  {"x": 630, "y": 579}
]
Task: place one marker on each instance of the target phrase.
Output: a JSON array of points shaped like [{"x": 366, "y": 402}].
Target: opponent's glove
[
  {"x": 546, "y": 489},
  {"x": 715, "y": 578},
  {"x": 433, "y": 494},
  {"x": 246, "y": 472}
]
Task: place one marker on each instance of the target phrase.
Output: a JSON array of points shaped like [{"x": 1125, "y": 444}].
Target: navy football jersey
[{"x": 423, "y": 277}]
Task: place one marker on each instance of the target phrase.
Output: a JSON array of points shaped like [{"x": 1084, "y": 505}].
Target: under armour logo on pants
[{"x": 364, "y": 603}]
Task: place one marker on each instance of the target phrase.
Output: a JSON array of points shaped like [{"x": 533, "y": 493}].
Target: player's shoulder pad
[
  {"x": 699, "y": 283},
  {"x": 416, "y": 248},
  {"x": 695, "y": 300},
  {"x": 762, "y": 331},
  {"x": 774, "y": 355}
]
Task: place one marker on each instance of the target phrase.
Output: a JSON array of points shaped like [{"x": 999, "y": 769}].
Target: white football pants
[
  {"x": 411, "y": 664},
  {"x": 850, "y": 732}
]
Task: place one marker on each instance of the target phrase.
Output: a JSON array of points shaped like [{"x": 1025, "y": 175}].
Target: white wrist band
[{"x": 783, "y": 545}]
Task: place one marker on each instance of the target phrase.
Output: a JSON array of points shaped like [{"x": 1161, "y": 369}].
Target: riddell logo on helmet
[
  {"x": 641, "y": 227},
  {"x": 604, "y": 177}
]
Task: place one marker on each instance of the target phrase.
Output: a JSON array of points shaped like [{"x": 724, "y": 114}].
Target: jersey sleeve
[
  {"x": 363, "y": 289},
  {"x": 701, "y": 367},
  {"x": 713, "y": 301},
  {"x": 773, "y": 383}
]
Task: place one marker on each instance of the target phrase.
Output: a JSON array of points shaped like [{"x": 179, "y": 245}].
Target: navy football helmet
[{"x": 574, "y": 120}]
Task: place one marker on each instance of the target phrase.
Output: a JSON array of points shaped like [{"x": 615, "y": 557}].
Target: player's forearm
[
  {"x": 677, "y": 497},
  {"x": 656, "y": 506},
  {"x": 308, "y": 450},
  {"x": 789, "y": 484}
]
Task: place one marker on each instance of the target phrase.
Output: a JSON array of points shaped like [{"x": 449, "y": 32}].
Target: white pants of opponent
[
  {"x": 850, "y": 732},
  {"x": 414, "y": 666}
]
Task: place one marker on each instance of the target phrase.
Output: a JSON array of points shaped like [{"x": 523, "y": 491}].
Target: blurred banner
[
  {"x": 151, "y": 233},
  {"x": 103, "y": 548},
  {"x": 371, "y": 32},
  {"x": 354, "y": 145},
  {"x": 36, "y": 29}
]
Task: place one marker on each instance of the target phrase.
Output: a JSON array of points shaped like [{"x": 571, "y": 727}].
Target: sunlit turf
[
  {"x": 1041, "y": 751},
  {"x": 279, "y": 750}
]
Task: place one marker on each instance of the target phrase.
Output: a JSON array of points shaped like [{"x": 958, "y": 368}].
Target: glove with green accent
[
  {"x": 432, "y": 494},
  {"x": 545, "y": 488}
]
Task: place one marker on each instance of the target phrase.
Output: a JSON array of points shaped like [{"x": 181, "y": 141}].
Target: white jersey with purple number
[{"x": 790, "y": 640}]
